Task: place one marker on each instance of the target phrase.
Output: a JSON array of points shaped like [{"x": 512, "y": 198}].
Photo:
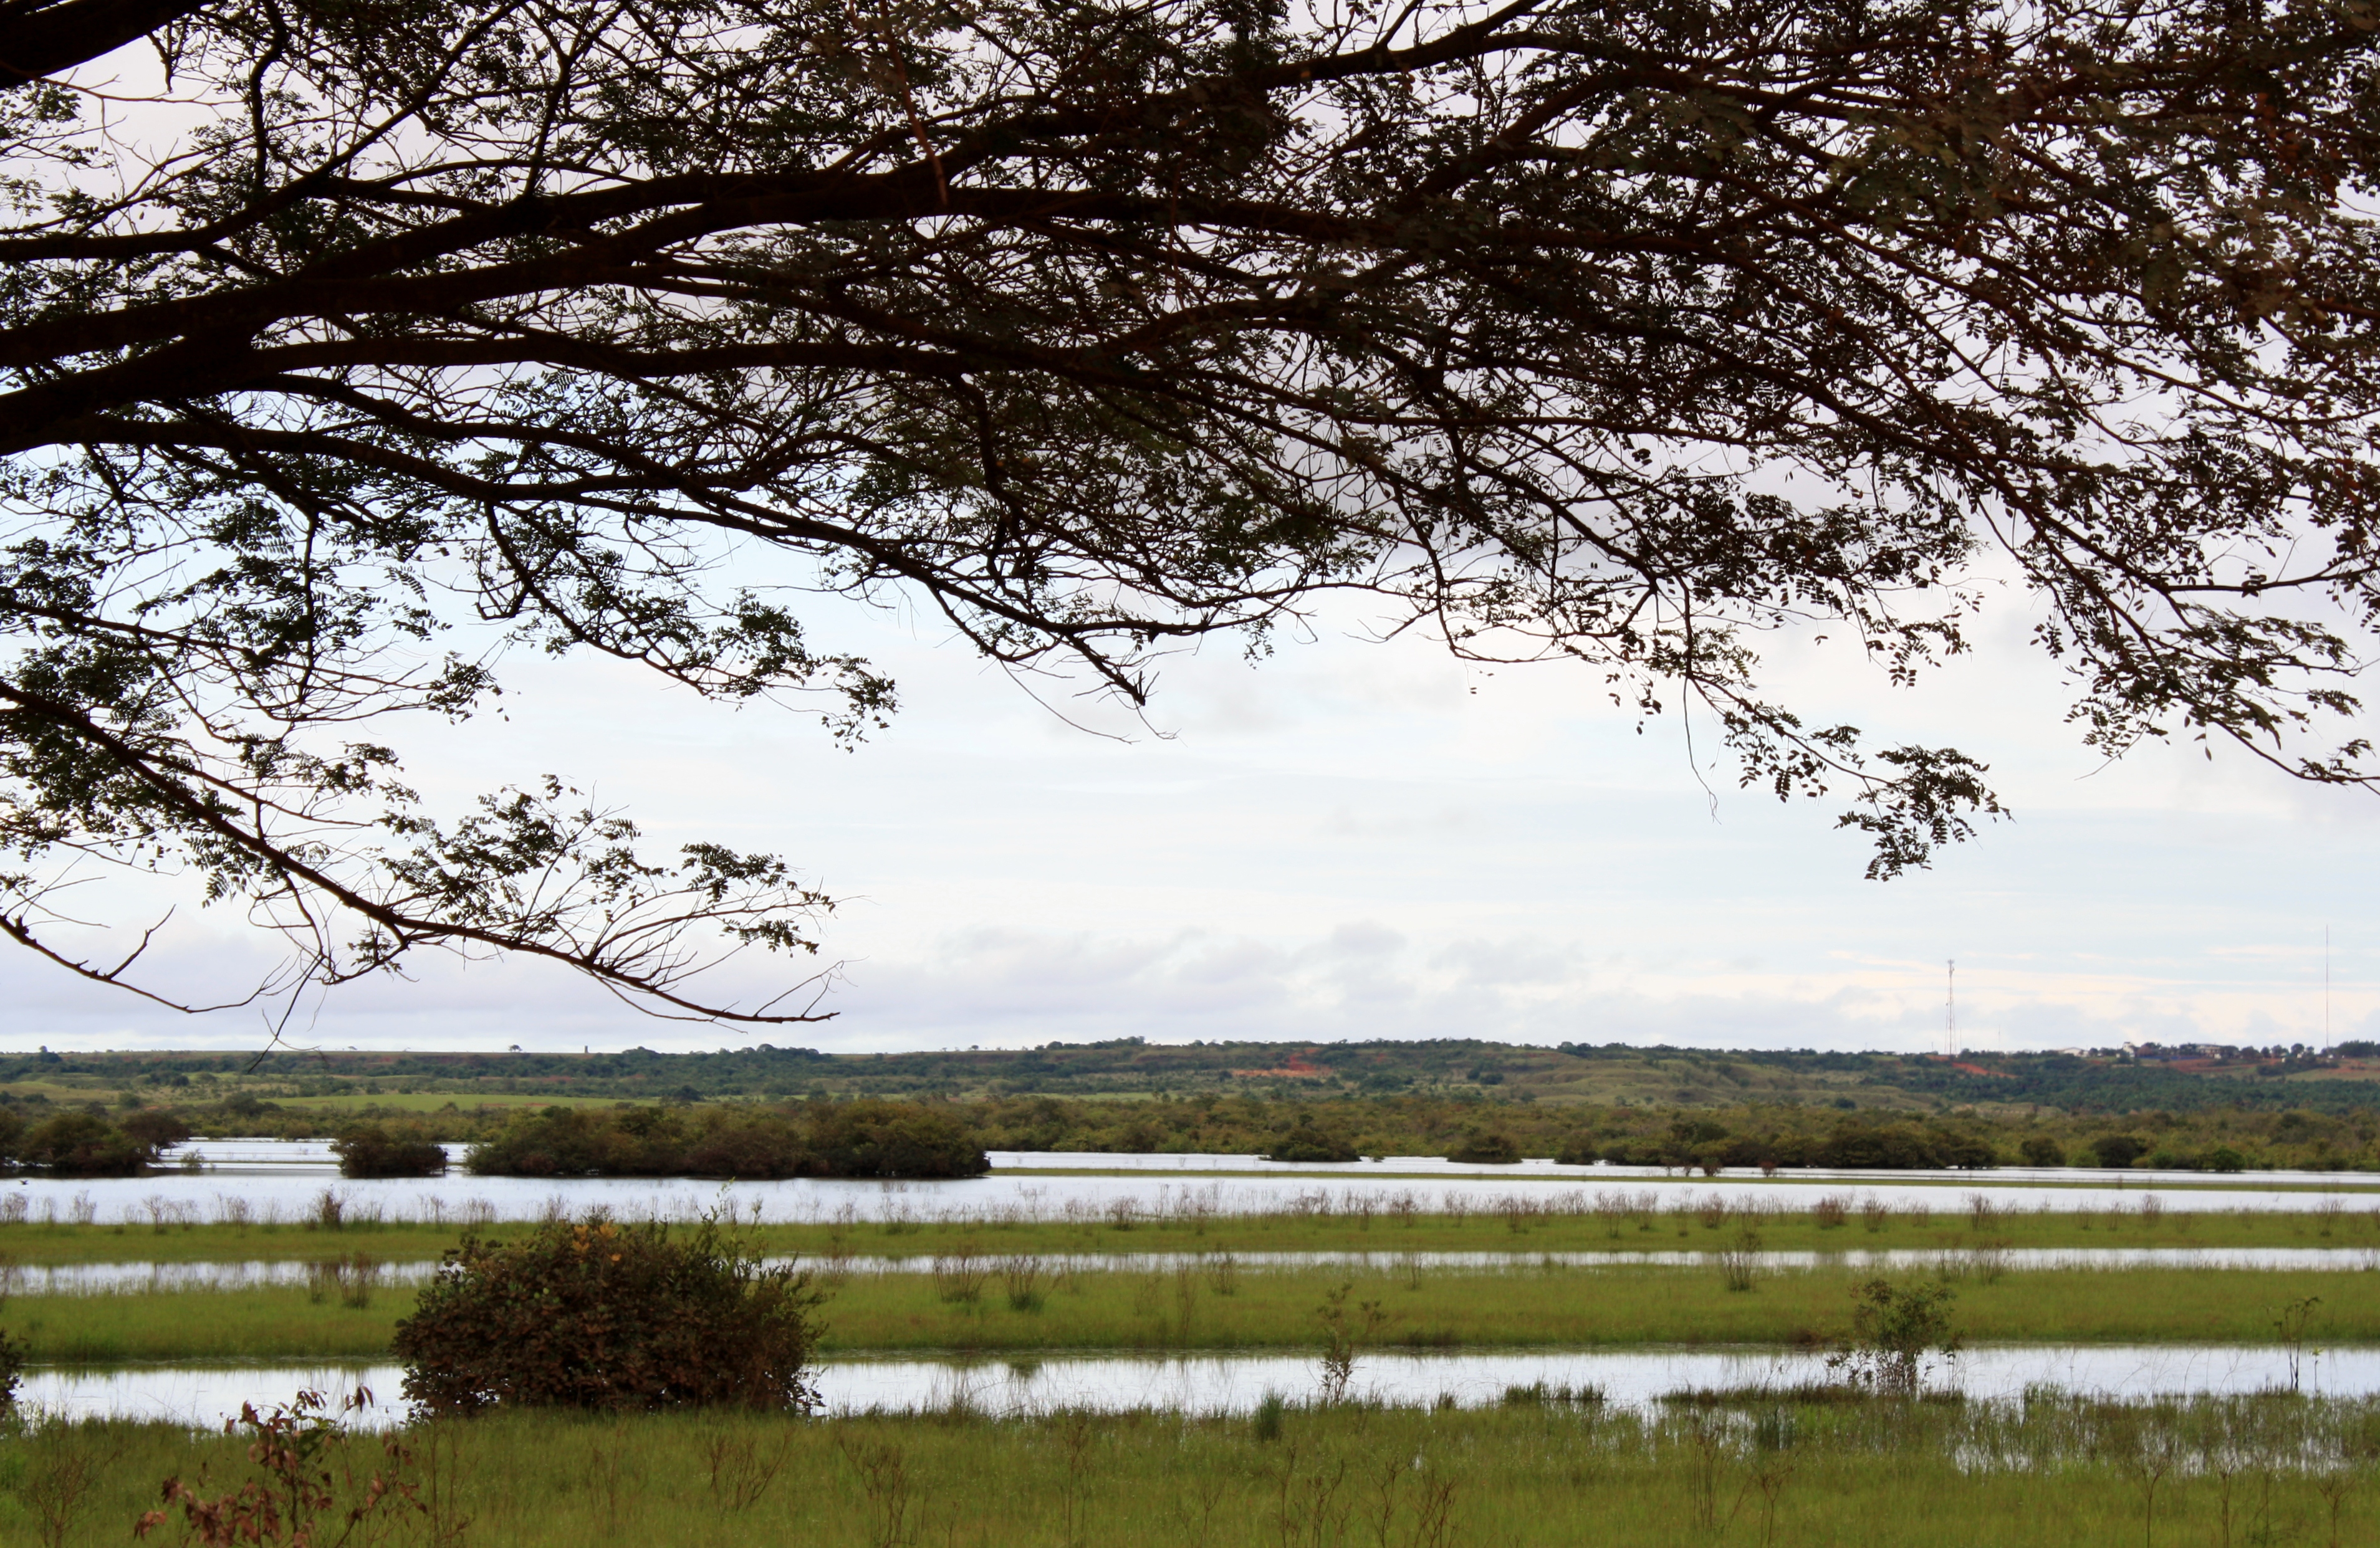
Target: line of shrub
[
  {"x": 867, "y": 1138},
  {"x": 84, "y": 1144},
  {"x": 1854, "y": 1144}
]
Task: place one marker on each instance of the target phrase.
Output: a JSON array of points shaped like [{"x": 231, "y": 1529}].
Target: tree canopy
[{"x": 350, "y": 343}]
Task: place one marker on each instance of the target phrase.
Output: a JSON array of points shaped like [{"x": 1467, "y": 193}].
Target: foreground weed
[
  {"x": 888, "y": 1491},
  {"x": 63, "y": 1464},
  {"x": 307, "y": 1494}
]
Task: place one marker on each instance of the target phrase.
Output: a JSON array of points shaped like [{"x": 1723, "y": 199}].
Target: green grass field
[
  {"x": 1213, "y": 1308},
  {"x": 1878, "y": 1474}
]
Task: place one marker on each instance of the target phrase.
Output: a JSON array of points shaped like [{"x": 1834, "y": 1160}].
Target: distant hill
[{"x": 2175, "y": 1080}]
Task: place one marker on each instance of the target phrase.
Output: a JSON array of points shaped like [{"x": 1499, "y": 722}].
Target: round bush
[
  {"x": 369, "y": 1150},
  {"x": 594, "y": 1314},
  {"x": 1486, "y": 1150},
  {"x": 1305, "y": 1143}
]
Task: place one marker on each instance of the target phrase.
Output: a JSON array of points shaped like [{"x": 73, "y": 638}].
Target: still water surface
[
  {"x": 286, "y": 1180},
  {"x": 148, "y": 1279},
  {"x": 1237, "y": 1382}
]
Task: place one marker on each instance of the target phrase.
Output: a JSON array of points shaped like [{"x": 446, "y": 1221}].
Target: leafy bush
[
  {"x": 2117, "y": 1150},
  {"x": 1862, "y": 1145},
  {"x": 84, "y": 1144},
  {"x": 1305, "y": 1143},
  {"x": 850, "y": 1139},
  {"x": 1485, "y": 1149},
  {"x": 594, "y": 1314},
  {"x": 1893, "y": 1330},
  {"x": 2040, "y": 1150},
  {"x": 892, "y": 1139},
  {"x": 370, "y": 1150},
  {"x": 154, "y": 1128}
]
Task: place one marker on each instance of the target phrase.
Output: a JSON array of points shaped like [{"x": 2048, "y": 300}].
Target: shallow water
[
  {"x": 1207, "y": 1384},
  {"x": 142, "y": 1277},
  {"x": 286, "y": 1180}
]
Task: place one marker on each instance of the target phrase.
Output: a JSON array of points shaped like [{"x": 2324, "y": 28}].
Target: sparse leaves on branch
[{"x": 384, "y": 337}]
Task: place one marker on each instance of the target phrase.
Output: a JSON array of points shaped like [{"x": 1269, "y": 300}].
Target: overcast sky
[{"x": 1358, "y": 840}]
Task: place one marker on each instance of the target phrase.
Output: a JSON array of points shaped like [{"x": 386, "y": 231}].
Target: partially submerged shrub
[
  {"x": 153, "y": 1128},
  {"x": 1306, "y": 1144},
  {"x": 370, "y": 1150},
  {"x": 892, "y": 1139},
  {"x": 849, "y": 1139},
  {"x": 84, "y": 1144},
  {"x": 2117, "y": 1150},
  {"x": 1485, "y": 1149},
  {"x": 594, "y": 1314},
  {"x": 1894, "y": 1329}
]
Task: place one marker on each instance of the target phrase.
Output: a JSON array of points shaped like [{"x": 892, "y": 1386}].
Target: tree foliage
[
  {"x": 864, "y": 1139},
  {"x": 373, "y": 1150},
  {"x": 76, "y": 1143},
  {"x": 404, "y": 334}
]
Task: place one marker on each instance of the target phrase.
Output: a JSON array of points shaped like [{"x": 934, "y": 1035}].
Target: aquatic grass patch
[{"x": 2044, "y": 1472}]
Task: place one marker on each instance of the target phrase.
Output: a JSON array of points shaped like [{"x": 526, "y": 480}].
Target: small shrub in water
[
  {"x": 1893, "y": 1329},
  {"x": 1489, "y": 1149},
  {"x": 370, "y": 1150}
]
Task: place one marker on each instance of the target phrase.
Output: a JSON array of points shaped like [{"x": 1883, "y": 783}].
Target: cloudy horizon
[{"x": 1361, "y": 839}]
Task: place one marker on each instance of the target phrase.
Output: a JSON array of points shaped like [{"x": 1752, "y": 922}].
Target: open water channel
[
  {"x": 1222, "y": 1383},
  {"x": 286, "y": 1180}
]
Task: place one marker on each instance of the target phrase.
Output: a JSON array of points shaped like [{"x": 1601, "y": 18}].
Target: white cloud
[{"x": 1351, "y": 843}]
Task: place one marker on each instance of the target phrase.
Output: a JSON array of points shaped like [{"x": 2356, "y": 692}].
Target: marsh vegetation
[{"x": 1545, "y": 1466}]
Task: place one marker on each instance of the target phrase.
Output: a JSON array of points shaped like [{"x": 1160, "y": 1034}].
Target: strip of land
[
  {"x": 1217, "y": 1307},
  {"x": 1648, "y": 1221}
]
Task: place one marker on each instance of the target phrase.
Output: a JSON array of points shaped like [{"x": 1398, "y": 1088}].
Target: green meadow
[
  {"x": 1011, "y": 1305},
  {"x": 1538, "y": 1470}
]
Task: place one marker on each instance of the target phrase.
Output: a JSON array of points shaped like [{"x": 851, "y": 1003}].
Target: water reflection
[
  {"x": 236, "y": 1180},
  {"x": 1208, "y": 1383},
  {"x": 140, "y": 1278}
]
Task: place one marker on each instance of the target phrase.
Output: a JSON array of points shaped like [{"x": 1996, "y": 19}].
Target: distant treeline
[
  {"x": 1704, "y": 1139},
  {"x": 863, "y": 1139},
  {"x": 867, "y": 1137},
  {"x": 2272, "y": 1079}
]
